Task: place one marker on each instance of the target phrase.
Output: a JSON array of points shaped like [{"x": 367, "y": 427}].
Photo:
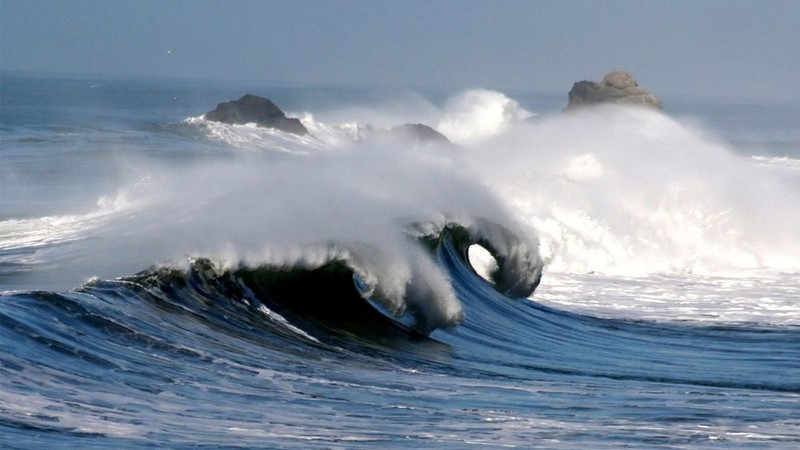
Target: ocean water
[{"x": 605, "y": 278}]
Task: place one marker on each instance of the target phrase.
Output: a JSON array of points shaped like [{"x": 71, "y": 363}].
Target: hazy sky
[{"x": 673, "y": 47}]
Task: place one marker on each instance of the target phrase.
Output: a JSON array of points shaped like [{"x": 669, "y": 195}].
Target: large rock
[
  {"x": 419, "y": 134},
  {"x": 258, "y": 110},
  {"x": 616, "y": 87}
]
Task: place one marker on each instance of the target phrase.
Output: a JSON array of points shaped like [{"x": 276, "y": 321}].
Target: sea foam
[{"x": 633, "y": 191}]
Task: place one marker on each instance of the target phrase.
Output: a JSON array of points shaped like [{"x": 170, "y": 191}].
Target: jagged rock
[
  {"x": 258, "y": 110},
  {"x": 616, "y": 87},
  {"x": 419, "y": 134}
]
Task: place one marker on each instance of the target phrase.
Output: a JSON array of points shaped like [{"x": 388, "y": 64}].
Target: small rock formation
[
  {"x": 616, "y": 87},
  {"x": 258, "y": 110},
  {"x": 419, "y": 134}
]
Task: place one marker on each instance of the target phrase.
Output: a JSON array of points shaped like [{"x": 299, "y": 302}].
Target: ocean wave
[
  {"x": 330, "y": 277},
  {"x": 611, "y": 190},
  {"x": 365, "y": 206}
]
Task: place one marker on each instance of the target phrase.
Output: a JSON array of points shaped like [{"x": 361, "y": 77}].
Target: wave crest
[{"x": 414, "y": 288}]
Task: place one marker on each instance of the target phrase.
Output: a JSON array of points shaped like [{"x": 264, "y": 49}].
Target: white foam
[
  {"x": 758, "y": 296},
  {"x": 255, "y": 138},
  {"x": 282, "y": 320},
  {"x": 482, "y": 261},
  {"x": 20, "y": 238},
  {"x": 477, "y": 114},
  {"x": 629, "y": 191}
]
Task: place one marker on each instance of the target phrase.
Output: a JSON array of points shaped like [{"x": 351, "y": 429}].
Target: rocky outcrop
[
  {"x": 264, "y": 113},
  {"x": 258, "y": 110},
  {"x": 418, "y": 134},
  {"x": 616, "y": 87}
]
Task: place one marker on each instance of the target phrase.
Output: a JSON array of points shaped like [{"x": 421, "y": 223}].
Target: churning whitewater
[{"x": 601, "y": 277}]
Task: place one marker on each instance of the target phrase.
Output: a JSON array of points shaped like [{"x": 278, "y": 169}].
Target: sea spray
[
  {"x": 631, "y": 191},
  {"x": 354, "y": 204},
  {"x": 608, "y": 189},
  {"x": 625, "y": 190},
  {"x": 479, "y": 113}
]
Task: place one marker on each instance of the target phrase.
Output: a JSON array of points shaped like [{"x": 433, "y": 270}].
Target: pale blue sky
[{"x": 675, "y": 47}]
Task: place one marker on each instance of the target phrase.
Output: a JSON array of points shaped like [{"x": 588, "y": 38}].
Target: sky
[{"x": 736, "y": 48}]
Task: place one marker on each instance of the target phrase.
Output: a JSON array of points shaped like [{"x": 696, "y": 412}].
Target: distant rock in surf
[
  {"x": 418, "y": 134},
  {"x": 258, "y": 110},
  {"x": 616, "y": 87}
]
